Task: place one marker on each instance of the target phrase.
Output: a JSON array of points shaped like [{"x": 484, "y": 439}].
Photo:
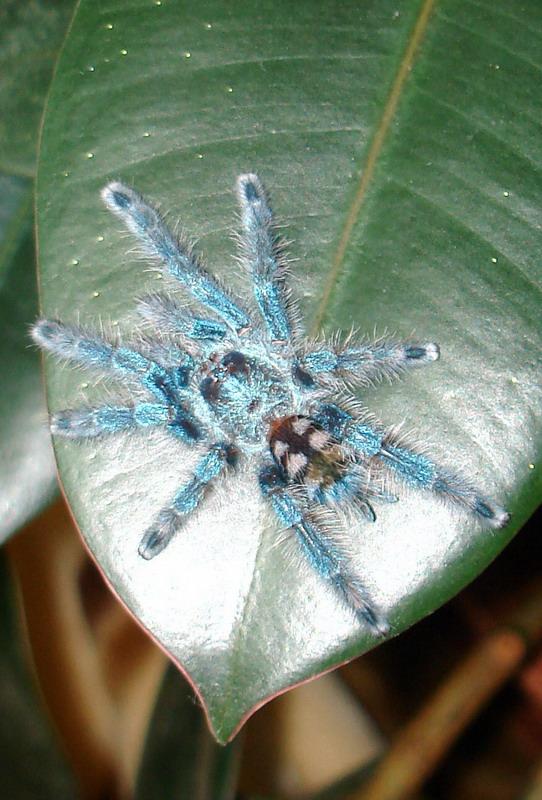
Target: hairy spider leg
[
  {"x": 147, "y": 225},
  {"x": 414, "y": 469},
  {"x": 261, "y": 249},
  {"x": 87, "y": 423},
  {"x": 94, "y": 352},
  {"x": 330, "y": 475},
  {"x": 169, "y": 316},
  {"x": 354, "y": 486},
  {"x": 421, "y": 472},
  {"x": 322, "y": 550},
  {"x": 369, "y": 361},
  {"x": 171, "y": 518}
]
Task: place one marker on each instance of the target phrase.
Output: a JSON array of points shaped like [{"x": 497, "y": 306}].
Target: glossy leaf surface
[
  {"x": 400, "y": 146},
  {"x": 31, "y": 33}
]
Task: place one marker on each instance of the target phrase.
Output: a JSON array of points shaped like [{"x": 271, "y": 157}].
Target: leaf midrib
[{"x": 375, "y": 149}]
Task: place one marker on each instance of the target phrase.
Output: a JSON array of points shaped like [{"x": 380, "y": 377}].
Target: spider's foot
[
  {"x": 422, "y": 353},
  {"x": 46, "y": 330},
  {"x": 159, "y": 535},
  {"x": 493, "y": 515},
  {"x": 118, "y": 197},
  {"x": 250, "y": 189},
  {"x": 378, "y": 624},
  {"x": 357, "y": 598},
  {"x": 368, "y": 511},
  {"x": 62, "y": 340}
]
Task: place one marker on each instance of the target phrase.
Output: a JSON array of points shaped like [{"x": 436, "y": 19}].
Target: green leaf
[
  {"x": 400, "y": 146},
  {"x": 27, "y": 469},
  {"x": 181, "y": 759},
  {"x": 30, "y": 763},
  {"x": 31, "y": 32}
]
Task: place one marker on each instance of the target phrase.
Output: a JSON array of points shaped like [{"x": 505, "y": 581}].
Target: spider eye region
[
  {"x": 242, "y": 392},
  {"x": 306, "y": 452},
  {"x": 236, "y": 363}
]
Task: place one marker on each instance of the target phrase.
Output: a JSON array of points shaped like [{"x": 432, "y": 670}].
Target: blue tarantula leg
[
  {"x": 343, "y": 427},
  {"x": 167, "y": 315},
  {"x": 147, "y": 225},
  {"x": 215, "y": 461},
  {"x": 87, "y": 423},
  {"x": 368, "y": 361},
  {"x": 166, "y": 384},
  {"x": 348, "y": 487},
  {"x": 261, "y": 249},
  {"x": 413, "y": 468},
  {"x": 92, "y": 351},
  {"x": 323, "y": 552},
  {"x": 421, "y": 472}
]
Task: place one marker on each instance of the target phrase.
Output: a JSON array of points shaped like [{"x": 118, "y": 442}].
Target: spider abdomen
[{"x": 305, "y": 451}]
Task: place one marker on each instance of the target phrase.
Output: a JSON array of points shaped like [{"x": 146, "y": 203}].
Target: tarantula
[{"x": 249, "y": 390}]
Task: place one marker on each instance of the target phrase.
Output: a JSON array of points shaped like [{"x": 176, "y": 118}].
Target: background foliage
[{"x": 401, "y": 146}]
